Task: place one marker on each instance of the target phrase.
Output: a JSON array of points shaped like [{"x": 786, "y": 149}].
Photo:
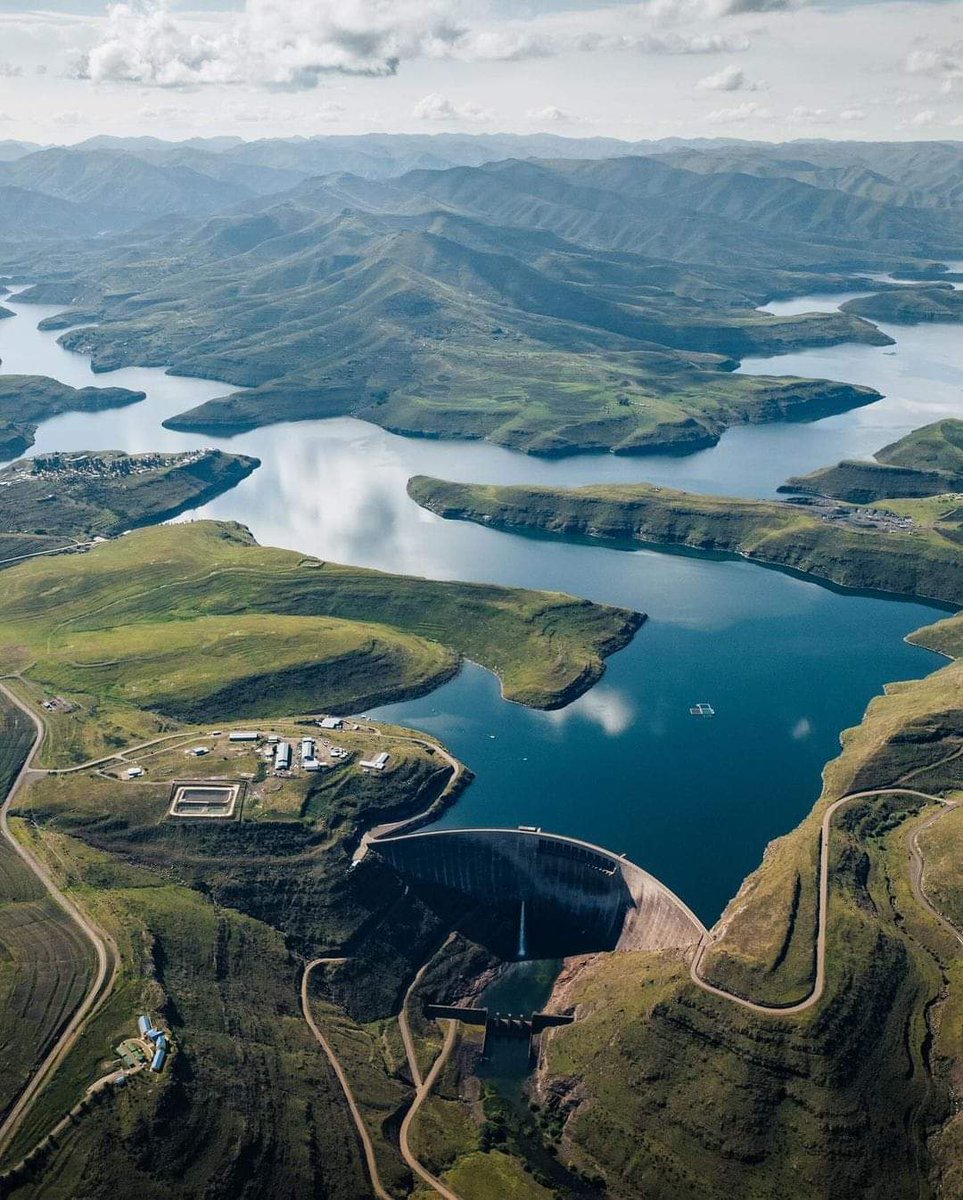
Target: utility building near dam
[{"x": 564, "y": 896}]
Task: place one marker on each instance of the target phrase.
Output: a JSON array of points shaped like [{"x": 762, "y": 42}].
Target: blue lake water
[{"x": 786, "y": 662}]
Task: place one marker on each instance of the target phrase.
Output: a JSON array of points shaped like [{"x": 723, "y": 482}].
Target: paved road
[
  {"x": 378, "y": 1188},
  {"x": 104, "y": 948},
  {"x": 819, "y": 984}
]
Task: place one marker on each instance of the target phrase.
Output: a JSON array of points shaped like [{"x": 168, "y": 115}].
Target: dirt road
[{"x": 104, "y": 948}]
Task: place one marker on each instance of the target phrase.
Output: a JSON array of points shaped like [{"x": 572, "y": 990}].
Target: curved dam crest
[{"x": 566, "y": 896}]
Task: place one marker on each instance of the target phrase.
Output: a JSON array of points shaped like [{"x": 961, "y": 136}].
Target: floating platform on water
[{"x": 702, "y": 710}]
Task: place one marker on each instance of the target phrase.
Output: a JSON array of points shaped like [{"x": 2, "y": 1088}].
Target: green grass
[
  {"x": 926, "y": 561},
  {"x": 45, "y": 960},
  {"x": 492, "y": 1176},
  {"x": 926, "y": 462},
  {"x": 247, "y": 1102},
  {"x": 548, "y": 403},
  {"x": 119, "y": 630},
  {"x": 237, "y": 665},
  {"x": 676, "y": 1094}
]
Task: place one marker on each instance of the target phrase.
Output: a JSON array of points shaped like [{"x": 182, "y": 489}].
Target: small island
[
  {"x": 64, "y": 500},
  {"x": 26, "y": 400}
]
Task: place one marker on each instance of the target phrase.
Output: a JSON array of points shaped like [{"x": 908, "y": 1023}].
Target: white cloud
[
  {"x": 926, "y": 117},
  {"x": 607, "y": 707},
  {"x": 9, "y": 70},
  {"x": 71, "y": 117},
  {"x": 729, "y": 79},
  {"x": 550, "y": 115},
  {"x": 436, "y": 107},
  {"x": 740, "y": 113},
  {"x": 700, "y": 10},
  {"x": 810, "y": 116},
  {"x": 852, "y": 114},
  {"x": 941, "y": 62},
  {"x": 292, "y": 43}
]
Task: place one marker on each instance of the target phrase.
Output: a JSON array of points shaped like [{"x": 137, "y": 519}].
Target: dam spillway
[{"x": 578, "y": 897}]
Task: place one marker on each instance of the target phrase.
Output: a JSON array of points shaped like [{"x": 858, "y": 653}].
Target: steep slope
[{"x": 927, "y": 462}]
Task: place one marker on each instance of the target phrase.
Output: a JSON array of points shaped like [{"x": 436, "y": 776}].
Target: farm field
[{"x": 45, "y": 960}]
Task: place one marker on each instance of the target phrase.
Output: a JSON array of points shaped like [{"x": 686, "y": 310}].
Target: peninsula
[{"x": 55, "y": 500}]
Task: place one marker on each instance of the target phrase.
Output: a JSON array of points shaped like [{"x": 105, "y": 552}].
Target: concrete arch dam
[{"x": 540, "y": 894}]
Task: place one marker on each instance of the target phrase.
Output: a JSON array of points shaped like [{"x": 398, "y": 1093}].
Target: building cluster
[
  {"x": 159, "y": 1039},
  {"x": 312, "y": 754}
]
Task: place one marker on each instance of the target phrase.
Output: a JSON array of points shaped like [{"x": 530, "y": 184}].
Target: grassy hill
[
  {"x": 926, "y": 462},
  {"x": 51, "y": 500},
  {"x": 198, "y": 621},
  {"x": 549, "y": 305},
  {"x": 915, "y": 553},
  {"x": 910, "y": 305}
]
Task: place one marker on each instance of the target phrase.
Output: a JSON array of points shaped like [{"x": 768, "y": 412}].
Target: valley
[{"x": 409, "y": 320}]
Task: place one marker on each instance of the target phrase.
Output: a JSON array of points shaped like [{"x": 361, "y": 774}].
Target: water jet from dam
[{"x": 529, "y": 894}]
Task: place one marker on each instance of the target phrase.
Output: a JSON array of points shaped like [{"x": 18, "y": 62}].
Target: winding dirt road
[
  {"x": 819, "y": 983},
  {"x": 377, "y": 1187},
  {"x": 421, "y": 1095},
  {"x": 104, "y": 948}
]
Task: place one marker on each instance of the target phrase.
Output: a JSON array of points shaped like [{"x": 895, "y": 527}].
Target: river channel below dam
[{"x": 785, "y": 662}]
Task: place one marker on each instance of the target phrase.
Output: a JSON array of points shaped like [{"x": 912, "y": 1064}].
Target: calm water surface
[{"x": 787, "y": 663}]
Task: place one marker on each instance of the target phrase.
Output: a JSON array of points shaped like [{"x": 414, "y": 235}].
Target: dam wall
[{"x": 570, "y": 896}]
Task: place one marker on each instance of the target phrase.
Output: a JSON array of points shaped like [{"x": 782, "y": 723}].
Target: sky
[{"x": 766, "y": 69}]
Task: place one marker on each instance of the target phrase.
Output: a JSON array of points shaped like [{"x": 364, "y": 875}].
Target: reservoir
[{"x": 786, "y": 663}]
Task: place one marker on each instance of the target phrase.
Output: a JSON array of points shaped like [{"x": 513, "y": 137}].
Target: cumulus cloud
[
  {"x": 550, "y": 115},
  {"x": 852, "y": 114},
  {"x": 292, "y": 43},
  {"x": 436, "y": 107},
  {"x": 810, "y": 116},
  {"x": 740, "y": 113},
  {"x": 696, "y": 10},
  {"x": 926, "y": 117},
  {"x": 729, "y": 79},
  {"x": 943, "y": 62},
  {"x": 9, "y": 71}
]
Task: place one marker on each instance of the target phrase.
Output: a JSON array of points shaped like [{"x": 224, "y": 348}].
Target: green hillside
[
  {"x": 926, "y": 462},
  {"x": 551, "y": 306},
  {"x": 198, "y": 622},
  {"x": 911, "y": 555},
  {"x": 910, "y": 305}
]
